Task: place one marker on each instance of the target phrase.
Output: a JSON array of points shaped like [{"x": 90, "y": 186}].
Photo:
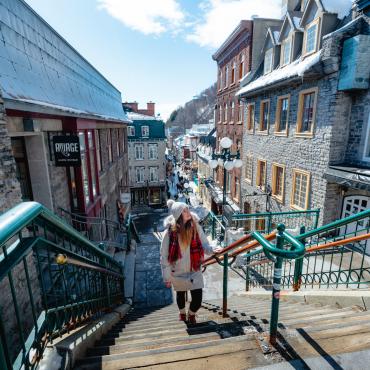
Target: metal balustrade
[
  {"x": 52, "y": 279},
  {"x": 336, "y": 254}
]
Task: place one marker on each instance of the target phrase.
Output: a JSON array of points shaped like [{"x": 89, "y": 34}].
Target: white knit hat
[{"x": 175, "y": 208}]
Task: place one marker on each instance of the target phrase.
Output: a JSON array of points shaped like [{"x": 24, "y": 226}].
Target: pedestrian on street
[{"x": 182, "y": 253}]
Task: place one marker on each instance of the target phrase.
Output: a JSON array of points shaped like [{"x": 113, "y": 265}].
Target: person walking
[{"x": 182, "y": 253}]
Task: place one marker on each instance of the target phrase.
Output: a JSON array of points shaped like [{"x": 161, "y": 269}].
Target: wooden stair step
[{"x": 172, "y": 354}]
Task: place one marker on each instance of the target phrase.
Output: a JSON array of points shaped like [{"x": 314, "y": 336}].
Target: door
[
  {"x": 354, "y": 204},
  {"x": 22, "y": 171}
]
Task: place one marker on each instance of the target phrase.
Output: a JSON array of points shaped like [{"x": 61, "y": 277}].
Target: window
[
  {"x": 311, "y": 37},
  {"x": 84, "y": 168},
  {"x": 268, "y": 61},
  {"x": 226, "y": 76},
  {"x": 282, "y": 114},
  {"x": 145, "y": 131},
  {"x": 98, "y": 150},
  {"x": 109, "y": 145},
  {"x": 139, "y": 174},
  {"x": 278, "y": 174},
  {"x": 286, "y": 49},
  {"x": 249, "y": 168},
  {"x": 241, "y": 67},
  {"x": 153, "y": 174},
  {"x": 221, "y": 80},
  {"x": 220, "y": 113},
  {"x": 261, "y": 174},
  {"x": 139, "y": 152},
  {"x": 131, "y": 130},
  {"x": 366, "y": 156},
  {"x": 240, "y": 112},
  {"x": 300, "y": 191},
  {"x": 233, "y": 73},
  {"x": 232, "y": 105},
  {"x": 225, "y": 113},
  {"x": 91, "y": 143},
  {"x": 153, "y": 151},
  {"x": 250, "y": 117},
  {"x": 264, "y": 116},
  {"x": 306, "y": 112}
]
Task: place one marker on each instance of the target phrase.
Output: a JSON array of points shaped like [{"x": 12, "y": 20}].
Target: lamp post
[
  {"x": 187, "y": 190},
  {"x": 228, "y": 161}
]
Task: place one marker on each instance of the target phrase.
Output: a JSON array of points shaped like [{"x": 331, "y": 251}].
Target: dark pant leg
[
  {"x": 196, "y": 299},
  {"x": 180, "y": 300}
]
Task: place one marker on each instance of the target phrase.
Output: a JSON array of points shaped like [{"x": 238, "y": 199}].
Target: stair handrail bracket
[{"x": 53, "y": 278}]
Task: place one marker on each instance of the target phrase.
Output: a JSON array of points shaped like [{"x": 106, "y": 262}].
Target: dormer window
[
  {"x": 145, "y": 131},
  {"x": 286, "y": 51},
  {"x": 311, "y": 37},
  {"x": 268, "y": 61}
]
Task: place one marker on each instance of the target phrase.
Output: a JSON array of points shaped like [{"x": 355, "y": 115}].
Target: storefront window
[
  {"x": 84, "y": 168},
  {"x": 90, "y": 140},
  {"x": 155, "y": 197}
]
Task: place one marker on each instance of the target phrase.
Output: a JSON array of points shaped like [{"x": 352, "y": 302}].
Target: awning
[{"x": 352, "y": 177}]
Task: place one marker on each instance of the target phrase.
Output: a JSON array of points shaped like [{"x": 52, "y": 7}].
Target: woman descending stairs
[{"x": 153, "y": 338}]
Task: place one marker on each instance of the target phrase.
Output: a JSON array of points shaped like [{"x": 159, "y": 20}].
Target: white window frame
[
  {"x": 145, "y": 131},
  {"x": 139, "y": 157},
  {"x": 268, "y": 54},
  {"x": 287, "y": 41},
  {"x": 131, "y": 131},
  {"x": 366, "y": 153},
  {"x": 140, "y": 174},
  {"x": 315, "y": 22},
  {"x": 153, "y": 174},
  {"x": 155, "y": 152}
]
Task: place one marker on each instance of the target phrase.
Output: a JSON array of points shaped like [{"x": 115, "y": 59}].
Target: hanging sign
[{"x": 67, "y": 151}]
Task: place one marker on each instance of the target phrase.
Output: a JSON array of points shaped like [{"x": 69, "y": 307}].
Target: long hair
[{"x": 185, "y": 231}]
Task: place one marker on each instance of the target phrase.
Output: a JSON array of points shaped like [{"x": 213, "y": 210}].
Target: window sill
[
  {"x": 231, "y": 122},
  {"x": 281, "y": 133},
  {"x": 239, "y": 122},
  {"x": 293, "y": 206},
  {"x": 309, "y": 53},
  {"x": 278, "y": 199},
  {"x": 264, "y": 133},
  {"x": 250, "y": 131},
  {"x": 308, "y": 135}
]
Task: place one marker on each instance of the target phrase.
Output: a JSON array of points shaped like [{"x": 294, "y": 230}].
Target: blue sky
[{"x": 158, "y": 50}]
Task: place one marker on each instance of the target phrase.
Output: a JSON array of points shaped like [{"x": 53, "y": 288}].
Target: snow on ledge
[{"x": 297, "y": 68}]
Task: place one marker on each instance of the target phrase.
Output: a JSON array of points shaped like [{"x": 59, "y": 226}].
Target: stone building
[
  {"x": 51, "y": 93},
  {"x": 306, "y": 131},
  {"x": 147, "y": 147}
]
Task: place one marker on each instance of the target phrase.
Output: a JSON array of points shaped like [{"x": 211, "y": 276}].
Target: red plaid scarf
[{"x": 196, "y": 250}]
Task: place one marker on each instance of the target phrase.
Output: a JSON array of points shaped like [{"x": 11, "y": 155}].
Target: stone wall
[
  {"x": 10, "y": 191},
  {"x": 308, "y": 154}
]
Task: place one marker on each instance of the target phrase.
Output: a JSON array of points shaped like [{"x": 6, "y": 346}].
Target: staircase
[{"x": 154, "y": 338}]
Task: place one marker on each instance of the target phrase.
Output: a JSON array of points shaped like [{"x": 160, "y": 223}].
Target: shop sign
[
  {"x": 125, "y": 197},
  {"x": 67, "y": 151}
]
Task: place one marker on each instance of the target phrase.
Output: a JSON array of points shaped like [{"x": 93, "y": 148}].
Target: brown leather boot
[{"x": 182, "y": 317}]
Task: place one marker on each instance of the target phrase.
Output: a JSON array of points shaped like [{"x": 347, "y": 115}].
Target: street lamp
[
  {"x": 228, "y": 161},
  {"x": 187, "y": 190}
]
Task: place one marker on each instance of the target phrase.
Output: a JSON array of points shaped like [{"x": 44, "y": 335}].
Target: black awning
[{"x": 352, "y": 177}]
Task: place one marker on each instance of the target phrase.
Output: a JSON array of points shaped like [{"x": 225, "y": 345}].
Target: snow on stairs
[{"x": 154, "y": 338}]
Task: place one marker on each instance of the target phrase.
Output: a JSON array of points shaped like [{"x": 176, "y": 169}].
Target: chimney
[{"x": 150, "y": 107}]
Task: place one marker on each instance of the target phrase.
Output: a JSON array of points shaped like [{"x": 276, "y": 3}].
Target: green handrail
[
  {"x": 75, "y": 280},
  {"x": 251, "y": 215}
]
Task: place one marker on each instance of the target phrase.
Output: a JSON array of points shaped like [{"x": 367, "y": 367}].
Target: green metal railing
[
  {"x": 52, "y": 279},
  {"x": 343, "y": 260}
]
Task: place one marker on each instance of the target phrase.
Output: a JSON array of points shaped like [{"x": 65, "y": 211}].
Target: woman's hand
[
  {"x": 168, "y": 284},
  {"x": 218, "y": 249}
]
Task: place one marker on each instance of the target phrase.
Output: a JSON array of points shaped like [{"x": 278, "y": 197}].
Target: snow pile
[
  {"x": 297, "y": 68},
  {"x": 51, "y": 360},
  {"x": 140, "y": 117},
  {"x": 340, "y": 7}
]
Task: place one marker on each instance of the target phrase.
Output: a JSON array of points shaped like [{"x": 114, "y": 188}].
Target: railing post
[
  {"x": 4, "y": 356},
  {"x": 276, "y": 286},
  {"x": 298, "y": 267},
  {"x": 247, "y": 279},
  {"x": 224, "y": 285}
]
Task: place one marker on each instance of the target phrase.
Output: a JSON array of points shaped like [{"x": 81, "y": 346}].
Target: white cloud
[
  {"x": 146, "y": 16},
  {"x": 222, "y": 16}
]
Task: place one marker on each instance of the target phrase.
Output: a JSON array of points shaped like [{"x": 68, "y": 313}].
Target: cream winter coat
[{"x": 179, "y": 273}]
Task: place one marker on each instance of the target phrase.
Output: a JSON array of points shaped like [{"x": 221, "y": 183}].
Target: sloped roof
[
  {"x": 294, "y": 19},
  {"x": 41, "y": 72}
]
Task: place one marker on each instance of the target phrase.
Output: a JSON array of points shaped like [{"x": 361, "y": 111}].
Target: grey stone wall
[
  {"x": 308, "y": 154},
  {"x": 10, "y": 191}
]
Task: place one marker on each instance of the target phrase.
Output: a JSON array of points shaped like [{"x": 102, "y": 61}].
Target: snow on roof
[
  {"x": 340, "y": 7},
  {"x": 140, "y": 117},
  {"x": 38, "y": 66},
  {"x": 297, "y": 68},
  {"x": 297, "y": 21}
]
